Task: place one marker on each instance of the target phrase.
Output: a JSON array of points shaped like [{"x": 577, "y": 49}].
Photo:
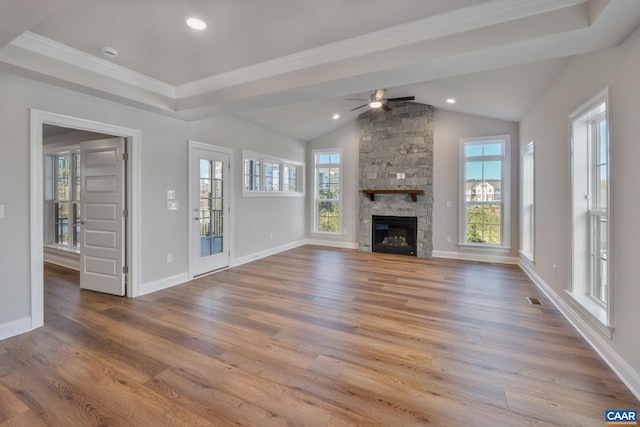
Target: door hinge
[
  {"x": 125, "y": 213},
  {"x": 125, "y": 269},
  {"x": 125, "y": 156}
]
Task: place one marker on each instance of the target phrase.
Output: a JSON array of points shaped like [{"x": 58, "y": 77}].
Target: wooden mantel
[{"x": 412, "y": 193}]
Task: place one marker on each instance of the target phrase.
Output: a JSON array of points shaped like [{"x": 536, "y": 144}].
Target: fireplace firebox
[{"x": 394, "y": 234}]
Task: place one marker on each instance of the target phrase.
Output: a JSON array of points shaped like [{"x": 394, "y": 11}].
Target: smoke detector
[{"x": 109, "y": 52}]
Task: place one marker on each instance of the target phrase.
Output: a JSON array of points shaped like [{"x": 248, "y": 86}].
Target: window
[
  {"x": 290, "y": 178},
  {"x": 64, "y": 221},
  {"x": 327, "y": 190},
  {"x": 485, "y": 172},
  {"x": 591, "y": 220},
  {"x": 251, "y": 175},
  {"x": 269, "y": 176},
  {"x": 527, "y": 222}
]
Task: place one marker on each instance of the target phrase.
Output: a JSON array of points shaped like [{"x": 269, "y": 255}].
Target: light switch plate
[
  {"x": 1, "y": 211},
  {"x": 171, "y": 194},
  {"x": 172, "y": 205}
]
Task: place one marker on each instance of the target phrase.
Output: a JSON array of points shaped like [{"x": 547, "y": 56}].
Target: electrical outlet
[
  {"x": 169, "y": 258},
  {"x": 270, "y": 236},
  {"x": 449, "y": 239},
  {"x": 448, "y": 204},
  {"x": 555, "y": 270}
]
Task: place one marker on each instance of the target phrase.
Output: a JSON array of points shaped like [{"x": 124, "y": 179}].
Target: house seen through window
[{"x": 484, "y": 187}]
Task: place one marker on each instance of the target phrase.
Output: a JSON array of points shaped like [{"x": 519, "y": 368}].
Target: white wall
[
  {"x": 548, "y": 125},
  {"x": 449, "y": 127},
  {"x": 163, "y": 167},
  {"x": 345, "y": 137}
]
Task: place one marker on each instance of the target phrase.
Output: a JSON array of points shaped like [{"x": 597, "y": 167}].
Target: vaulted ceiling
[{"x": 290, "y": 64}]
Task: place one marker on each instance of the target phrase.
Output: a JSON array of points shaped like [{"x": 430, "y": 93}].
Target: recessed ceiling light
[
  {"x": 375, "y": 104},
  {"x": 336, "y": 116},
  {"x": 196, "y": 23},
  {"x": 451, "y": 100}
]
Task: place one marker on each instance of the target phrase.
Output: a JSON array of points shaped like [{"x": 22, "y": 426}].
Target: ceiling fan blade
[
  {"x": 385, "y": 107},
  {"x": 379, "y": 94},
  {"x": 357, "y": 108},
  {"x": 403, "y": 98}
]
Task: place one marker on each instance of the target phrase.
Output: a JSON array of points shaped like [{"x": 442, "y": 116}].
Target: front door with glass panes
[{"x": 209, "y": 187}]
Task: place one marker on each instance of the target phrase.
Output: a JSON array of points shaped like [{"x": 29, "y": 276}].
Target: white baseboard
[
  {"x": 15, "y": 327},
  {"x": 495, "y": 258},
  {"x": 332, "y": 244},
  {"x": 57, "y": 257},
  {"x": 620, "y": 367},
  {"x": 268, "y": 252},
  {"x": 158, "y": 285}
]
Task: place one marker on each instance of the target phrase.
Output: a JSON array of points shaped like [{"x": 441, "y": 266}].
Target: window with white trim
[
  {"x": 484, "y": 189},
  {"x": 271, "y": 176},
  {"x": 327, "y": 191},
  {"x": 591, "y": 219},
  {"x": 251, "y": 174},
  {"x": 527, "y": 220},
  {"x": 62, "y": 218}
]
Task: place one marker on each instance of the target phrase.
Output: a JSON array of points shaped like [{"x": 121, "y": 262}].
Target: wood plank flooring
[{"x": 310, "y": 337}]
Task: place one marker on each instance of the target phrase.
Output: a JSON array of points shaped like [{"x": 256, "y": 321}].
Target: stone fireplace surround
[{"x": 395, "y": 142}]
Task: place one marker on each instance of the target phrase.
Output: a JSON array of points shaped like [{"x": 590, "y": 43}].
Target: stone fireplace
[{"x": 396, "y": 158}]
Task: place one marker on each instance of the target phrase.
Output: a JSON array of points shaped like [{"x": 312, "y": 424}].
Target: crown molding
[{"x": 61, "y": 52}]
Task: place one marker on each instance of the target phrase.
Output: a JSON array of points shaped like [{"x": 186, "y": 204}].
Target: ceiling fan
[{"x": 377, "y": 100}]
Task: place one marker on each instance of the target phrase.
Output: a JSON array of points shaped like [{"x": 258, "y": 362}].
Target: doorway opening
[
  {"x": 131, "y": 186},
  {"x": 85, "y": 206}
]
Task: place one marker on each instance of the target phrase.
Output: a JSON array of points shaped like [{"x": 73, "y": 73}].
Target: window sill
[
  {"x": 504, "y": 249},
  {"x": 64, "y": 249},
  {"x": 592, "y": 310},
  {"x": 272, "y": 194}
]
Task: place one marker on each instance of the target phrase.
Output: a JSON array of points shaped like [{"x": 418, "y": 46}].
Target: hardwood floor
[{"x": 310, "y": 337}]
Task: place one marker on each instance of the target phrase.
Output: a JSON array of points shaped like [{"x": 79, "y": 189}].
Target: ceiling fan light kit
[{"x": 377, "y": 100}]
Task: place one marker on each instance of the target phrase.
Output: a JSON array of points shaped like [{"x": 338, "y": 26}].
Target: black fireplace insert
[{"x": 394, "y": 234}]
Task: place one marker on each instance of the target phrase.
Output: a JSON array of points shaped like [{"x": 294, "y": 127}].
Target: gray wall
[
  {"x": 345, "y": 137},
  {"x": 449, "y": 128},
  {"x": 257, "y": 218},
  {"x": 548, "y": 125},
  {"x": 163, "y": 167}
]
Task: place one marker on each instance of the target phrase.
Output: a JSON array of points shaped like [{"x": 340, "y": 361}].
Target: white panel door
[
  {"x": 209, "y": 230},
  {"x": 102, "y": 204}
]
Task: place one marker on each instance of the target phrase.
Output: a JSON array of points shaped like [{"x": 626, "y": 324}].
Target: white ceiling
[{"x": 289, "y": 64}]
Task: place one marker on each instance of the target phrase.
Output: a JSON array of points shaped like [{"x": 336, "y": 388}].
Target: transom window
[
  {"x": 268, "y": 176},
  {"x": 484, "y": 166}
]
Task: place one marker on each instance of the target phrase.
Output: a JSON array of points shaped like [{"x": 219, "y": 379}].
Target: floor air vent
[{"x": 534, "y": 301}]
